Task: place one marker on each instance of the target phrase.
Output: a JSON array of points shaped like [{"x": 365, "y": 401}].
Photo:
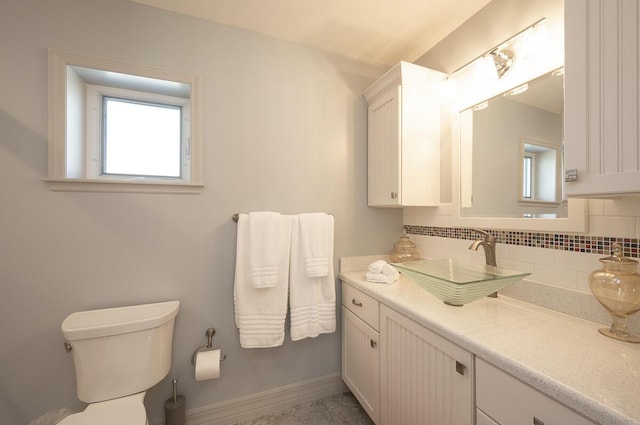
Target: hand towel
[
  {"x": 260, "y": 312},
  {"x": 380, "y": 278},
  {"x": 265, "y": 243},
  {"x": 382, "y": 267},
  {"x": 316, "y": 238},
  {"x": 312, "y": 300}
]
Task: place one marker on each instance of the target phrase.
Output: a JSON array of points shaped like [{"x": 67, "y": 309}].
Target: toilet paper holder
[{"x": 210, "y": 333}]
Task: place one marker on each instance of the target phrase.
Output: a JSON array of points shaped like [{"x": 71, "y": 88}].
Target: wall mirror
[{"x": 511, "y": 152}]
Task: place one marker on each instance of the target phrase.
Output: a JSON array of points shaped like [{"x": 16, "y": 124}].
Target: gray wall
[{"x": 284, "y": 129}]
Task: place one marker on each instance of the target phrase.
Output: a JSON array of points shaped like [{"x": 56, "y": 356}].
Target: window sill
[{"x": 122, "y": 186}]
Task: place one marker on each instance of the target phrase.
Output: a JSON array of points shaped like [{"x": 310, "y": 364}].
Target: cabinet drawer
[
  {"x": 362, "y": 305},
  {"x": 511, "y": 402}
]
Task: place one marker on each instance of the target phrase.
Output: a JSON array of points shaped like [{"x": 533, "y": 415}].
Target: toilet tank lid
[{"x": 118, "y": 320}]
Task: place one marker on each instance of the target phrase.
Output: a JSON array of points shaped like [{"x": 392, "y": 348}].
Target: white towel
[
  {"x": 312, "y": 300},
  {"x": 260, "y": 312},
  {"x": 380, "y": 278},
  {"x": 382, "y": 267},
  {"x": 266, "y": 231},
  {"x": 316, "y": 239}
]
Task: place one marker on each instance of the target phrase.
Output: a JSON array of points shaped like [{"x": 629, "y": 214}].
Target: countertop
[{"x": 562, "y": 356}]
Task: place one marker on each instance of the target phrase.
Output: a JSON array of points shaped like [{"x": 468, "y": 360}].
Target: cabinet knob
[
  {"x": 394, "y": 195},
  {"x": 356, "y": 303},
  {"x": 460, "y": 369},
  {"x": 537, "y": 421},
  {"x": 375, "y": 344}
]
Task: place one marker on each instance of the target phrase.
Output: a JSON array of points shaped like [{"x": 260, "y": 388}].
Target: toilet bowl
[
  {"x": 121, "y": 411},
  {"x": 118, "y": 354}
]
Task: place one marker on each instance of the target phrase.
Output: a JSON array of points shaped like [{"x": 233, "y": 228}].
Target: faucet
[{"x": 489, "y": 245}]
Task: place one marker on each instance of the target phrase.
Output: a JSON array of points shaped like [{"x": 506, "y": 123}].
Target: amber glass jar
[
  {"x": 617, "y": 287},
  {"x": 404, "y": 250}
]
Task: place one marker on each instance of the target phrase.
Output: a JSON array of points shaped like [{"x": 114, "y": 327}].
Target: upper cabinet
[
  {"x": 404, "y": 137},
  {"x": 602, "y": 110}
]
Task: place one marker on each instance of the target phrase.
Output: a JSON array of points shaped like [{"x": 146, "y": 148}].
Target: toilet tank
[{"x": 120, "y": 351}]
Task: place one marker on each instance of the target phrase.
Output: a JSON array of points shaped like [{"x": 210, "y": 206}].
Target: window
[
  {"x": 527, "y": 177},
  {"x": 120, "y": 127}
]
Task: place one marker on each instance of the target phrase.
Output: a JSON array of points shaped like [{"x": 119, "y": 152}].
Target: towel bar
[{"x": 236, "y": 217}]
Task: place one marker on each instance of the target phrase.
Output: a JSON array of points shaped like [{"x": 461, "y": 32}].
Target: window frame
[{"x": 58, "y": 178}]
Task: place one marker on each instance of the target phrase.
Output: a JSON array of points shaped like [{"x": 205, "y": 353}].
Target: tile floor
[{"x": 341, "y": 409}]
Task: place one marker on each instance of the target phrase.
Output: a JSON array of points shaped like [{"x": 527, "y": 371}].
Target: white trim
[
  {"x": 122, "y": 186},
  {"x": 57, "y": 177},
  {"x": 266, "y": 402}
]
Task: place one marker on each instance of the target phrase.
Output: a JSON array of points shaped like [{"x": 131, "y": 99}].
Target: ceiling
[{"x": 380, "y": 32}]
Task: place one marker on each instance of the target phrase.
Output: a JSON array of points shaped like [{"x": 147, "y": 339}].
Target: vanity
[{"x": 411, "y": 359}]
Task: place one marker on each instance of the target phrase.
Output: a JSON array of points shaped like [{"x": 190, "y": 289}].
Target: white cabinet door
[
  {"x": 602, "y": 110},
  {"x": 384, "y": 149},
  {"x": 404, "y": 137},
  {"x": 511, "y": 402},
  {"x": 361, "y": 362},
  {"x": 424, "y": 379}
]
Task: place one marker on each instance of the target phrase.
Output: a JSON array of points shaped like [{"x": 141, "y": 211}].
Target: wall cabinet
[
  {"x": 502, "y": 399},
  {"x": 602, "y": 103},
  {"x": 404, "y": 137},
  {"x": 425, "y": 379},
  {"x": 360, "y": 349}
]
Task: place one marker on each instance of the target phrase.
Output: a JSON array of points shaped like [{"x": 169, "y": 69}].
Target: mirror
[{"x": 511, "y": 152}]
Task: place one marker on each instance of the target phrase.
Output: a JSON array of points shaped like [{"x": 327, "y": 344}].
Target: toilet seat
[{"x": 120, "y": 411}]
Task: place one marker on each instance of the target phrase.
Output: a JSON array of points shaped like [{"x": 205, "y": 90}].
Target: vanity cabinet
[
  {"x": 602, "y": 97},
  {"x": 424, "y": 378},
  {"x": 404, "y": 137},
  {"x": 502, "y": 399},
  {"x": 361, "y": 349}
]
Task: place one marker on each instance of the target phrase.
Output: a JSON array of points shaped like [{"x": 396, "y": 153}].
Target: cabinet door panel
[
  {"x": 601, "y": 96},
  {"x": 361, "y": 362},
  {"x": 419, "y": 378},
  {"x": 384, "y": 150}
]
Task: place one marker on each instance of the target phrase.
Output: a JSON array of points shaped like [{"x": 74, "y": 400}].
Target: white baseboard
[{"x": 266, "y": 402}]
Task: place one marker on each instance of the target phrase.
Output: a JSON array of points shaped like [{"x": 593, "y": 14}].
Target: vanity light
[
  {"x": 496, "y": 62},
  {"x": 535, "y": 40},
  {"x": 502, "y": 60},
  {"x": 485, "y": 71}
]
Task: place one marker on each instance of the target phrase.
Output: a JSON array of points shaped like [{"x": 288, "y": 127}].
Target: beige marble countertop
[{"x": 560, "y": 355}]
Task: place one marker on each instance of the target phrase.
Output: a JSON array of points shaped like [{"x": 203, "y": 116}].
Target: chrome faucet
[{"x": 489, "y": 246}]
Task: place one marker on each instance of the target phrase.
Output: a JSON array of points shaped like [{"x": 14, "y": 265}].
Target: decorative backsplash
[{"x": 559, "y": 241}]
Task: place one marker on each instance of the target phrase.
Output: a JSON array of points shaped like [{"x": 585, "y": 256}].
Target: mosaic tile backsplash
[{"x": 565, "y": 242}]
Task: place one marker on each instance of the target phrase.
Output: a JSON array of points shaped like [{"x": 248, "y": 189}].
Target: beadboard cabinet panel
[
  {"x": 424, "y": 378},
  {"x": 602, "y": 97}
]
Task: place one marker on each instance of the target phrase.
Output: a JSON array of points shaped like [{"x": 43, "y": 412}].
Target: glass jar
[
  {"x": 404, "y": 250},
  {"x": 617, "y": 287}
]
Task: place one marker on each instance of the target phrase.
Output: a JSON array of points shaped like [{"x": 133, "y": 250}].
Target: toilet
[{"x": 119, "y": 353}]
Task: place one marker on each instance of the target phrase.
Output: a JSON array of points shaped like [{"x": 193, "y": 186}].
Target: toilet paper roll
[{"x": 207, "y": 365}]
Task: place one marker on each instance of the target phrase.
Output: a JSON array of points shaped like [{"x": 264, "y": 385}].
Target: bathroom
[{"x": 70, "y": 251}]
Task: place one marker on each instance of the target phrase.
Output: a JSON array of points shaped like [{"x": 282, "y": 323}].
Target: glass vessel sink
[{"x": 458, "y": 283}]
